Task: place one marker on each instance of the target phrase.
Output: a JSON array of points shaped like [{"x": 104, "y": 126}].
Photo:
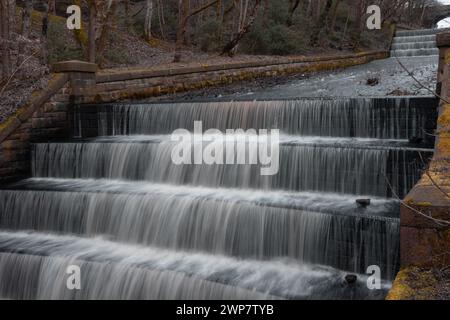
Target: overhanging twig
[
  {"x": 434, "y": 93},
  {"x": 439, "y": 222},
  {"x": 427, "y": 172},
  {"x": 15, "y": 71}
]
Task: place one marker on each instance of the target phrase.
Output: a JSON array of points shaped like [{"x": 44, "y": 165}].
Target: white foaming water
[
  {"x": 116, "y": 271},
  {"x": 220, "y": 231},
  {"x": 345, "y": 165},
  {"x": 410, "y": 39},
  {"x": 414, "y": 45},
  {"x": 319, "y": 228},
  {"x": 384, "y": 119}
]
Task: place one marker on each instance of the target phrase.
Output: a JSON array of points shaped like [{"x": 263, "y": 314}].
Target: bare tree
[
  {"x": 26, "y": 18},
  {"x": 245, "y": 23},
  {"x": 25, "y": 31},
  {"x": 52, "y": 7},
  {"x": 321, "y": 23},
  {"x": 148, "y": 20},
  {"x": 44, "y": 34},
  {"x": 293, "y": 5},
  {"x": 333, "y": 17},
  {"x": 184, "y": 14},
  {"x": 161, "y": 19},
  {"x": 7, "y": 23},
  {"x": 92, "y": 51},
  {"x": 104, "y": 23}
]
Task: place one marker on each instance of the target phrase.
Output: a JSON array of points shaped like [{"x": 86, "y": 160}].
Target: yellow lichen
[
  {"x": 6, "y": 124},
  {"x": 424, "y": 204},
  {"x": 413, "y": 283},
  {"x": 444, "y": 118},
  {"x": 443, "y": 146},
  {"x": 154, "y": 42},
  {"x": 400, "y": 290}
]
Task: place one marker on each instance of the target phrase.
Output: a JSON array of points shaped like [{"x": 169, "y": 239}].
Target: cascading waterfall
[
  {"x": 245, "y": 224},
  {"x": 308, "y": 164},
  {"x": 363, "y": 118},
  {"x": 141, "y": 227},
  {"x": 414, "y": 43},
  {"x": 145, "y": 273}
]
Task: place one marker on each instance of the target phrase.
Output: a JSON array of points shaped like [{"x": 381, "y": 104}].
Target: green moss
[
  {"x": 424, "y": 204},
  {"x": 413, "y": 284},
  {"x": 5, "y": 124},
  {"x": 400, "y": 289}
]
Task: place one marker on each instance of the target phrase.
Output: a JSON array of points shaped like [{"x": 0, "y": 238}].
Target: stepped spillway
[
  {"x": 320, "y": 228},
  {"x": 123, "y": 272},
  {"x": 306, "y": 164},
  {"x": 415, "y": 43},
  {"x": 386, "y": 118},
  {"x": 112, "y": 201}
]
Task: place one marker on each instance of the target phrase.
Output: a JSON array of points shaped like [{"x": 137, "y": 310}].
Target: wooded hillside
[{"x": 33, "y": 33}]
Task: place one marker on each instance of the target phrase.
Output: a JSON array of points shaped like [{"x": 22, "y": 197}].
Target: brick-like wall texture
[
  {"x": 425, "y": 214},
  {"x": 48, "y": 123}
]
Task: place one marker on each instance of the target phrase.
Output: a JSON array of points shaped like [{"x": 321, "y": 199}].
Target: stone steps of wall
[
  {"x": 414, "y": 45},
  {"x": 415, "y": 52},
  {"x": 415, "y": 39},
  {"x": 411, "y": 33}
]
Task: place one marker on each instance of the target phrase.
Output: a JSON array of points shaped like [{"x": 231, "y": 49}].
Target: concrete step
[
  {"x": 415, "y": 39},
  {"x": 414, "y": 45},
  {"x": 424, "y": 32},
  {"x": 415, "y": 52}
]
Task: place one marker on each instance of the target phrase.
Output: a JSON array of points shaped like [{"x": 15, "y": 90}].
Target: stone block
[
  {"x": 37, "y": 123},
  {"x": 74, "y": 66},
  {"x": 423, "y": 247},
  {"x": 9, "y": 127},
  {"x": 14, "y": 145}
]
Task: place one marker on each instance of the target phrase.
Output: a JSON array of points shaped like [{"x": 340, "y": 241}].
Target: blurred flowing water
[{"x": 141, "y": 227}]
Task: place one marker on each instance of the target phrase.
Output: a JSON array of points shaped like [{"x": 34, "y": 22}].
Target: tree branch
[
  {"x": 200, "y": 9},
  {"x": 15, "y": 71},
  {"x": 427, "y": 172},
  {"x": 420, "y": 83},
  {"x": 439, "y": 222}
]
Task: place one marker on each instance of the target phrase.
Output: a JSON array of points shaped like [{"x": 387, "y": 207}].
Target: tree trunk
[
  {"x": 183, "y": 7},
  {"x": 359, "y": 11},
  {"x": 344, "y": 34},
  {"x": 91, "y": 32},
  {"x": 44, "y": 33},
  {"x": 25, "y": 31},
  {"x": 104, "y": 25},
  {"x": 245, "y": 28},
  {"x": 266, "y": 12},
  {"x": 321, "y": 23},
  {"x": 334, "y": 12},
  {"x": 2, "y": 40},
  {"x": 6, "y": 22},
  {"x": 161, "y": 19},
  {"x": 127, "y": 15},
  {"x": 293, "y": 5},
  {"x": 184, "y": 13},
  {"x": 52, "y": 7},
  {"x": 26, "y": 18},
  {"x": 148, "y": 20}
]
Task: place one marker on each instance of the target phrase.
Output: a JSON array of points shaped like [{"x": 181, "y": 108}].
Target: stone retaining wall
[
  {"x": 115, "y": 85},
  {"x": 425, "y": 214},
  {"x": 39, "y": 120},
  {"x": 47, "y": 116}
]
